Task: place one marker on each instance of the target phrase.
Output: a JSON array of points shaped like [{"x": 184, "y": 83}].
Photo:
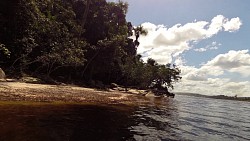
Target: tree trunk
[{"x": 85, "y": 14}]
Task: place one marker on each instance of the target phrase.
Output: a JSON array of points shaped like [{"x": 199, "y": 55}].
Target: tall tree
[
  {"x": 45, "y": 33},
  {"x": 86, "y": 11},
  {"x": 86, "y": 39}
]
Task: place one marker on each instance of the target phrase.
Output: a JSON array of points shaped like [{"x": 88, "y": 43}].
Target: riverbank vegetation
[{"x": 77, "y": 41}]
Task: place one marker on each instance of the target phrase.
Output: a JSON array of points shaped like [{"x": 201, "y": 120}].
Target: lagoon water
[{"x": 181, "y": 118}]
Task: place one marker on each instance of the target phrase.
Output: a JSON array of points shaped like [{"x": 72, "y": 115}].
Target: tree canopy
[{"x": 77, "y": 41}]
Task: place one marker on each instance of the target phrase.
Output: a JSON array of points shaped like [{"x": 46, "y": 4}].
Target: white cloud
[
  {"x": 233, "y": 61},
  {"x": 196, "y": 77},
  {"x": 200, "y": 49},
  {"x": 213, "y": 46},
  {"x": 162, "y": 42},
  {"x": 168, "y": 44},
  {"x": 217, "y": 86},
  {"x": 243, "y": 70},
  {"x": 201, "y": 80},
  {"x": 216, "y": 25},
  {"x": 232, "y": 25}
]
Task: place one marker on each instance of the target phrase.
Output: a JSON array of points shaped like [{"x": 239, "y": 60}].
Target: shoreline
[{"x": 12, "y": 92}]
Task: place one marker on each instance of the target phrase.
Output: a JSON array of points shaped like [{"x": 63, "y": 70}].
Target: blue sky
[{"x": 208, "y": 39}]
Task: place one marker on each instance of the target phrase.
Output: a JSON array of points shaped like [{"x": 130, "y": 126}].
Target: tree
[
  {"x": 106, "y": 31},
  {"x": 85, "y": 13},
  {"x": 89, "y": 40},
  {"x": 163, "y": 77},
  {"x": 44, "y": 36}
]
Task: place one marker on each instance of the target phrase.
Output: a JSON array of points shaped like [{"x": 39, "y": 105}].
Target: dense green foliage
[{"x": 84, "y": 41}]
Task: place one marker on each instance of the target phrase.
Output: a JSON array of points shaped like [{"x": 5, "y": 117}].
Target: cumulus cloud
[
  {"x": 216, "y": 25},
  {"x": 167, "y": 44},
  {"x": 215, "y": 86},
  {"x": 162, "y": 42},
  {"x": 196, "y": 77},
  {"x": 232, "y": 25},
  {"x": 202, "y": 80},
  {"x": 233, "y": 61}
]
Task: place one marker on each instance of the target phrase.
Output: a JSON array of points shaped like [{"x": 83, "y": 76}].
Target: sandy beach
[{"x": 20, "y": 91}]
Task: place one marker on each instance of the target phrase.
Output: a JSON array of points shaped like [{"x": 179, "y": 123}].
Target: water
[{"x": 181, "y": 118}]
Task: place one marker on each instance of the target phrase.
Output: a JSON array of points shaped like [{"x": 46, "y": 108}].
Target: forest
[{"x": 85, "y": 42}]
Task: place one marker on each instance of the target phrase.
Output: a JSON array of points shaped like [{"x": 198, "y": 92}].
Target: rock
[
  {"x": 2, "y": 74},
  {"x": 12, "y": 80},
  {"x": 113, "y": 86},
  {"x": 31, "y": 80},
  {"x": 121, "y": 89}
]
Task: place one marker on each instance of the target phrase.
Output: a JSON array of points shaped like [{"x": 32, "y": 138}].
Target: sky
[{"x": 207, "y": 39}]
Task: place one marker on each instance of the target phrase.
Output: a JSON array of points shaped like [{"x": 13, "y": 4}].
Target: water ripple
[{"x": 194, "y": 118}]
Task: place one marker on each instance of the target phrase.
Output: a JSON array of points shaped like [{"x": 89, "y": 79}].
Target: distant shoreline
[{"x": 216, "y": 96}]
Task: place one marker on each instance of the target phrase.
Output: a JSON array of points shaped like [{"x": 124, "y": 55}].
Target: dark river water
[{"x": 181, "y": 118}]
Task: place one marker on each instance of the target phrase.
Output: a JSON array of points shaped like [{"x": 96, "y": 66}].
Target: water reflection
[
  {"x": 157, "y": 120},
  {"x": 192, "y": 118},
  {"x": 181, "y": 118},
  {"x": 64, "y": 123},
  {"x": 213, "y": 119}
]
